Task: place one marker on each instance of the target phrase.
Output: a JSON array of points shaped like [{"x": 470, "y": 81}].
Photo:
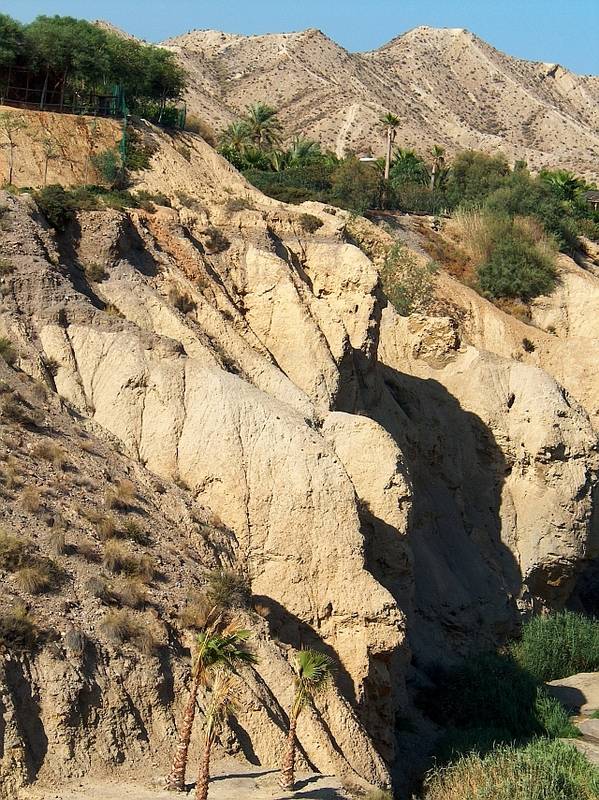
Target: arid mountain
[{"x": 448, "y": 87}]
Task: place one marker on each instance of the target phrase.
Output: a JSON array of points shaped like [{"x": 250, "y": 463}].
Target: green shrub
[
  {"x": 56, "y": 204},
  {"x": 516, "y": 268},
  {"x": 558, "y": 645},
  {"x": 310, "y": 223},
  {"x": 542, "y": 770},
  {"x": 408, "y": 284},
  {"x": 109, "y": 166}
]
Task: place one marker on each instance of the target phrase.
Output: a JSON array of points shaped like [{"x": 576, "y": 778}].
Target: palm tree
[
  {"x": 214, "y": 650},
  {"x": 313, "y": 674},
  {"x": 390, "y": 122},
  {"x": 303, "y": 151},
  {"x": 564, "y": 183},
  {"x": 263, "y": 124},
  {"x": 220, "y": 706},
  {"x": 438, "y": 154},
  {"x": 237, "y": 136}
]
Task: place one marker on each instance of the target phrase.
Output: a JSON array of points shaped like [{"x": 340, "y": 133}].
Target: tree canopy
[{"x": 65, "y": 49}]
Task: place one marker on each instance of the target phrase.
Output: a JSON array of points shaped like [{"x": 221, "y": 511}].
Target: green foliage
[
  {"x": 407, "y": 167},
  {"x": 60, "y": 49},
  {"x": 408, "y": 284},
  {"x": 355, "y": 185},
  {"x": 109, "y": 166},
  {"x": 516, "y": 267},
  {"x": 541, "y": 770},
  {"x": 310, "y": 223},
  {"x": 56, "y": 204},
  {"x": 558, "y": 645},
  {"x": 490, "y": 699},
  {"x": 474, "y": 176}
]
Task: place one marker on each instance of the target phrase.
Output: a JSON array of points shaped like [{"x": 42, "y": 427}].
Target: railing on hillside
[{"x": 23, "y": 88}]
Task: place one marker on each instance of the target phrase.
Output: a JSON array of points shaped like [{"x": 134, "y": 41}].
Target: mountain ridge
[{"x": 448, "y": 85}]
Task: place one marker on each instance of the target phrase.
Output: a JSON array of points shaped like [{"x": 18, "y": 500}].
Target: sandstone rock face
[
  {"x": 392, "y": 488},
  {"x": 579, "y": 694}
]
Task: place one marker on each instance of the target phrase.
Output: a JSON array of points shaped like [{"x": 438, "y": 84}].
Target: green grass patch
[
  {"x": 544, "y": 769},
  {"x": 558, "y": 645}
]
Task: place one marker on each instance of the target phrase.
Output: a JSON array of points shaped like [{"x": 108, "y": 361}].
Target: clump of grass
[
  {"x": 196, "y": 612},
  {"x": 38, "y": 578},
  {"x": 51, "y": 452},
  {"x": 7, "y": 351},
  {"x": 95, "y": 273},
  {"x": 542, "y": 770},
  {"x": 75, "y": 641},
  {"x": 121, "y": 627},
  {"x": 181, "y": 301},
  {"x": 14, "y": 553},
  {"x": 235, "y": 204},
  {"x": 18, "y": 630},
  {"x": 6, "y": 267},
  {"x": 106, "y": 527},
  {"x": 558, "y": 645},
  {"x": 97, "y": 587},
  {"x": 215, "y": 241},
  {"x": 228, "y": 589},
  {"x": 57, "y": 544},
  {"x": 131, "y": 529},
  {"x": 118, "y": 560},
  {"x": 122, "y": 496},
  {"x": 132, "y": 593},
  {"x": 310, "y": 223},
  {"x": 31, "y": 499}
]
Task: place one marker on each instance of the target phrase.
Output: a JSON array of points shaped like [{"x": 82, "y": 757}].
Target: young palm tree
[
  {"x": 438, "y": 154},
  {"x": 214, "y": 650},
  {"x": 313, "y": 674},
  {"x": 391, "y": 123},
  {"x": 303, "y": 151},
  {"x": 263, "y": 124},
  {"x": 219, "y": 707},
  {"x": 236, "y": 136}
]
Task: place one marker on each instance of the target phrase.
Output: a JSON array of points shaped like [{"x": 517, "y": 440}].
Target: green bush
[
  {"x": 558, "y": 645},
  {"x": 108, "y": 164},
  {"x": 516, "y": 267},
  {"x": 542, "y": 770},
  {"x": 408, "y": 284},
  {"x": 56, "y": 204}
]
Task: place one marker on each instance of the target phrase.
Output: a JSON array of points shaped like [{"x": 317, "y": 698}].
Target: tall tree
[
  {"x": 12, "y": 38},
  {"x": 220, "y": 705},
  {"x": 313, "y": 675},
  {"x": 390, "y": 123},
  {"x": 214, "y": 650},
  {"x": 236, "y": 136},
  {"x": 438, "y": 154},
  {"x": 10, "y": 125},
  {"x": 264, "y": 125}
]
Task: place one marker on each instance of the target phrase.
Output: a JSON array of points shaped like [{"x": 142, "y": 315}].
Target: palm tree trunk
[
  {"x": 288, "y": 771},
  {"x": 433, "y": 176},
  {"x": 11, "y": 162},
  {"x": 204, "y": 771},
  {"x": 388, "y": 155},
  {"x": 176, "y": 780}
]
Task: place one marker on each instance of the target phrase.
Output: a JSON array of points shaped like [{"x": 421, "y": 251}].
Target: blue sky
[{"x": 566, "y": 31}]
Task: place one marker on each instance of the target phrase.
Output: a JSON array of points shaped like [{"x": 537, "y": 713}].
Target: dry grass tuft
[
  {"x": 121, "y": 627},
  {"x": 118, "y": 560},
  {"x": 52, "y": 453},
  {"x": 97, "y": 587},
  {"x": 228, "y": 589},
  {"x": 31, "y": 499},
  {"x": 57, "y": 544},
  {"x": 18, "y": 630},
  {"x": 75, "y": 641},
  {"x": 14, "y": 553},
  {"x": 122, "y": 497},
  {"x": 196, "y": 612},
  {"x": 38, "y": 578},
  {"x": 132, "y": 593}
]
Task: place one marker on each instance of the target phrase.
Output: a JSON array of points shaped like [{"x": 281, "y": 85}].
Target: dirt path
[{"x": 230, "y": 782}]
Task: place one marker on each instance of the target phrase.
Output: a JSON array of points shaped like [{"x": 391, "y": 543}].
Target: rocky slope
[
  {"x": 447, "y": 86},
  {"x": 394, "y": 489}
]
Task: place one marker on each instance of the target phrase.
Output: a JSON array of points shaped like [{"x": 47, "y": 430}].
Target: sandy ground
[{"x": 229, "y": 782}]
